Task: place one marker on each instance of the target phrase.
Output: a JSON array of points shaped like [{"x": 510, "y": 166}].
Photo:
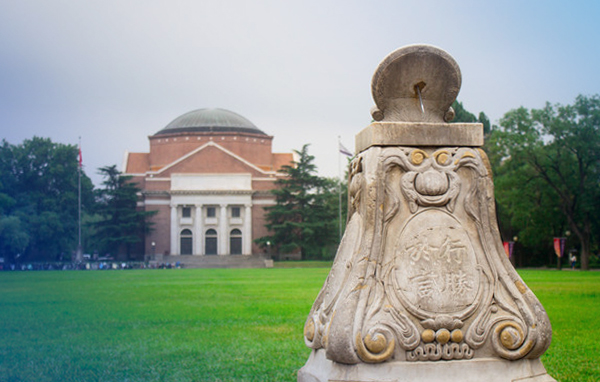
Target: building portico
[{"x": 205, "y": 211}]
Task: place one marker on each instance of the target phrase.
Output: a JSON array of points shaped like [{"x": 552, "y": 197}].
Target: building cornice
[
  {"x": 167, "y": 194},
  {"x": 156, "y": 193},
  {"x": 211, "y": 192}
]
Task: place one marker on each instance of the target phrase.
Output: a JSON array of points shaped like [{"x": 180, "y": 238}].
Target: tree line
[
  {"x": 547, "y": 176},
  {"x": 546, "y": 166},
  {"x": 39, "y": 205}
]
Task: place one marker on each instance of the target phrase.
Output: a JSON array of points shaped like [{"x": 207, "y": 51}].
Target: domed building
[{"x": 209, "y": 174}]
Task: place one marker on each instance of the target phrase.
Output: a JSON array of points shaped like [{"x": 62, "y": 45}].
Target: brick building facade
[{"x": 208, "y": 174}]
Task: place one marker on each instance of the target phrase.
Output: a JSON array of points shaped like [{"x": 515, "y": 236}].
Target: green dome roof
[{"x": 210, "y": 120}]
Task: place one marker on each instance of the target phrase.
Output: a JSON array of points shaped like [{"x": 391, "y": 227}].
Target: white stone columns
[
  {"x": 198, "y": 230},
  {"x": 174, "y": 230},
  {"x": 247, "y": 235},
  {"x": 223, "y": 231}
]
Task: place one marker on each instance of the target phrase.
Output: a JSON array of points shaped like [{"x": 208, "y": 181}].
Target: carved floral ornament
[{"x": 423, "y": 291}]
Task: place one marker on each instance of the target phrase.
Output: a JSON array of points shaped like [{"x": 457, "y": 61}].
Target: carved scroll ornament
[{"x": 431, "y": 280}]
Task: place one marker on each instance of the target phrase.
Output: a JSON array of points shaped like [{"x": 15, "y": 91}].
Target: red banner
[
  {"x": 559, "y": 246},
  {"x": 508, "y": 248}
]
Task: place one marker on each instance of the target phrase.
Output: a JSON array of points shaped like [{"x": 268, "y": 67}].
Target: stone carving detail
[
  {"x": 436, "y": 352},
  {"x": 427, "y": 282},
  {"x": 435, "y": 266},
  {"x": 420, "y": 276},
  {"x": 317, "y": 325}
]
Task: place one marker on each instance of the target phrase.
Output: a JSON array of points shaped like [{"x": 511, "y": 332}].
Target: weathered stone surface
[
  {"x": 405, "y": 73},
  {"x": 422, "y": 134},
  {"x": 318, "y": 369},
  {"x": 421, "y": 289}
]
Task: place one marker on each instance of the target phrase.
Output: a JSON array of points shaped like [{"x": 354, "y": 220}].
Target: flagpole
[
  {"x": 345, "y": 151},
  {"x": 340, "y": 188},
  {"x": 79, "y": 256}
]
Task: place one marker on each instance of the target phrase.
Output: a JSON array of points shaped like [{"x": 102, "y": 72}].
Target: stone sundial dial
[{"x": 421, "y": 288}]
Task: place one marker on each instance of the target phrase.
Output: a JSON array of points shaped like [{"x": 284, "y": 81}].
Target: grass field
[{"x": 219, "y": 325}]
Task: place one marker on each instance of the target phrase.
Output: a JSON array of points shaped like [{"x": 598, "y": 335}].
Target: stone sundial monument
[{"x": 421, "y": 288}]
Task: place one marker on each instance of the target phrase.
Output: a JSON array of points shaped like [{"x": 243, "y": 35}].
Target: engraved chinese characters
[
  {"x": 435, "y": 261},
  {"x": 439, "y": 272}
]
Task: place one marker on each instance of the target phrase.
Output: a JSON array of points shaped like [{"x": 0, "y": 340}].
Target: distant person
[{"x": 573, "y": 261}]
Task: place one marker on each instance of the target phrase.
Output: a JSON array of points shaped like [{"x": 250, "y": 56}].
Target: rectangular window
[
  {"x": 235, "y": 212},
  {"x": 211, "y": 212},
  {"x": 186, "y": 212}
]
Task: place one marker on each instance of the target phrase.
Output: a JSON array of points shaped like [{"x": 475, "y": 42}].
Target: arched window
[
  {"x": 210, "y": 242},
  {"x": 186, "y": 242},
  {"x": 235, "y": 242}
]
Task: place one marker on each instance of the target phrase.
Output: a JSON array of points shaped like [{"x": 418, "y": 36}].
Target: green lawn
[
  {"x": 218, "y": 325},
  {"x": 572, "y": 301}
]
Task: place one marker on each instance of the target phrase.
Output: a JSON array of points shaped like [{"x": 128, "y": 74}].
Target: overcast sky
[{"x": 114, "y": 72}]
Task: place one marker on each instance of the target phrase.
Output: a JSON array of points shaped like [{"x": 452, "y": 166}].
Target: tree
[
  {"x": 526, "y": 209},
  {"x": 13, "y": 237},
  {"x": 121, "y": 224},
  {"x": 328, "y": 200},
  {"x": 39, "y": 199},
  {"x": 303, "y": 218},
  {"x": 552, "y": 155},
  {"x": 338, "y": 200},
  {"x": 462, "y": 115}
]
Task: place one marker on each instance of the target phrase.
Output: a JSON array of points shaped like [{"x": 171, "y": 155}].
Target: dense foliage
[
  {"x": 462, "y": 115},
  {"x": 547, "y": 175},
  {"x": 305, "y": 216},
  {"x": 121, "y": 224},
  {"x": 39, "y": 200},
  {"x": 39, "y": 205}
]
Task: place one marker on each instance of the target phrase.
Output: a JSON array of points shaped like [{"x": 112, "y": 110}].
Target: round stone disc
[{"x": 411, "y": 70}]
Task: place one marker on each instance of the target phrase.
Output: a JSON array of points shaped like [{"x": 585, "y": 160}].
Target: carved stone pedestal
[
  {"x": 421, "y": 288},
  {"x": 318, "y": 369}
]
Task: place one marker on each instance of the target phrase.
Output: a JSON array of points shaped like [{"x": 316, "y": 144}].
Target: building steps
[{"x": 218, "y": 261}]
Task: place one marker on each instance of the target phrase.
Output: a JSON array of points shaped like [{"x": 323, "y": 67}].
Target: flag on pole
[
  {"x": 344, "y": 150},
  {"x": 559, "y": 246},
  {"x": 508, "y": 248},
  {"x": 80, "y": 158}
]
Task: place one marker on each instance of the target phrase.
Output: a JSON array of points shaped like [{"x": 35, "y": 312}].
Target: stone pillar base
[{"x": 320, "y": 369}]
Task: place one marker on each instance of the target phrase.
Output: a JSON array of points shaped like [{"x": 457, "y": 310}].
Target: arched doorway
[
  {"x": 210, "y": 242},
  {"x": 235, "y": 242},
  {"x": 186, "y": 242}
]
